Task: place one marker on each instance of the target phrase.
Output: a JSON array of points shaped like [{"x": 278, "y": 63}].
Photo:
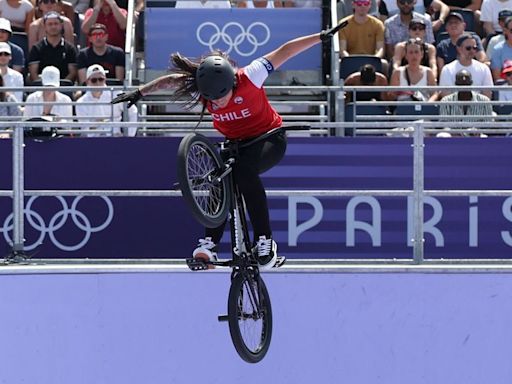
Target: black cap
[
  {"x": 454, "y": 14},
  {"x": 416, "y": 22},
  {"x": 504, "y": 13}
]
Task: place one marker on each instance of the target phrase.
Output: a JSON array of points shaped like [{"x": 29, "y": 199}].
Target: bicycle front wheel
[
  {"x": 198, "y": 163},
  {"x": 250, "y": 317}
]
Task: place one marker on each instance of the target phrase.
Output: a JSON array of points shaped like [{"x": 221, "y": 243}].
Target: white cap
[
  {"x": 4, "y": 47},
  {"x": 5, "y": 24},
  {"x": 50, "y": 76},
  {"x": 95, "y": 68}
]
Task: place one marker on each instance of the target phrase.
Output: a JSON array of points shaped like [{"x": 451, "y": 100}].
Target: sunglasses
[
  {"x": 98, "y": 34},
  {"x": 417, "y": 28},
  {"x": 404, "y": 2},
  {"x": 471, "y": 47},
  {"x": 508, "y": 74},
  {"x": 362, "y": 3},
  {"x": 5, "y": 54},
  {"x": 95, "y": 80}
]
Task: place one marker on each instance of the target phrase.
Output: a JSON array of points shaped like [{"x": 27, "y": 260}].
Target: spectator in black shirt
[
  {"x": 53, "y": 50},
  {"x": 108, "y": 56}
]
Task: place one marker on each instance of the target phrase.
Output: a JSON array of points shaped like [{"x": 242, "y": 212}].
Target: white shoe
[
  {"x": 206, "y": 250},
  {"x": 267, "y": 253}
]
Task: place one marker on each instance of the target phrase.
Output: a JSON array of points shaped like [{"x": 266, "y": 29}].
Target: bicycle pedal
[
  {"x": 280, "y": 261},
  {"x": 197, "y": 265}
]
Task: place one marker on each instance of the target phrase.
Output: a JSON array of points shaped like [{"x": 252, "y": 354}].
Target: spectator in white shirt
[
  {"x": 480, "y": 72},
  {"x": 102, "y": 110},
  {"x": 12, "y": 78},
  {"x": 50, "y": 78}
]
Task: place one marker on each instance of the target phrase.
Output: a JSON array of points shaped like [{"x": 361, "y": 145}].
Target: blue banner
[
  {"x": 245, "y": 34},
  {"x": 359, "y": 227}
]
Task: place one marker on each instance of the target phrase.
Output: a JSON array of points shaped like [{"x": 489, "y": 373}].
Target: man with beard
[{"x": 397, "y": 26}]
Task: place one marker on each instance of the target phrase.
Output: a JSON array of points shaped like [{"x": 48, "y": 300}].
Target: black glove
[
  {"x": 326, "y": 35},
  {"x": 131, "y": 97}
]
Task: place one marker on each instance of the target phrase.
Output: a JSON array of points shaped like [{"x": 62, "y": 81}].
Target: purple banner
[{"x": 359, "y": 227}]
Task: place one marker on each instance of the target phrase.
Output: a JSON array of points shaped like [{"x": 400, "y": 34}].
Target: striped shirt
[{"x": 478, "y": 109}]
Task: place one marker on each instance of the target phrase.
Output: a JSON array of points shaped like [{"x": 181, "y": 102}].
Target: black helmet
[{"x": 215, "y": 77}]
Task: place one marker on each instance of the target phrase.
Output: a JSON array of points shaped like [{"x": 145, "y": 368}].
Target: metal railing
[{"x": 418, "y": 192}]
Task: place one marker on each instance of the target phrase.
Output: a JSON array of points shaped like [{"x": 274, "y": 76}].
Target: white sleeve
[
  {"x": 486, "y": 11},
  {"x": 258, "y": 71}
]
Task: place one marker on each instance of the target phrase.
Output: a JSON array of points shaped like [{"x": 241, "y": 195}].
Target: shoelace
[
  {"x": 264, "y": 246},
  {"x": 206, "y": 243}
]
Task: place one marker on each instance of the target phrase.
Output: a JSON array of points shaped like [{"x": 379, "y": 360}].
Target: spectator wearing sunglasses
[
  {"x": 364, "y": 34},
  {"x": 37, "y": 30},
  {"x": 480, "y": 72},
  {"x": 447, "y": 48},
  {"x": 18, "y": 56},
  {"x": 417, "y": 30},
  {"x": 108, "y": 13},
  {"x": 94, "y": 105},
  {"x": 108, "y": 56},
  {"x": 506, "y": 75},
  {"x": 344, "y": 8},
  {"x": 11, "y": 77},
  {"x": 54, "y": 50},
  {"x": 397, "y": 26},
  {"x": 413, "y": 74},
  {"x": 19, "y": 12},
  {"x": 502, "y": 51}
]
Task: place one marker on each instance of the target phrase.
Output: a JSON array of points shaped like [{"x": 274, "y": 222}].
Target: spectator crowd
[{"x": 58, "y": 43}]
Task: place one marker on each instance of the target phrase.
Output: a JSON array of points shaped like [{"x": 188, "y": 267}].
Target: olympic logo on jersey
[
  {"x": 79, "y": 219},
  {"x": 233, "y": 35}
]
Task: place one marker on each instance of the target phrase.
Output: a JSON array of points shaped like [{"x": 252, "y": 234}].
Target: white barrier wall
[{"x": 366, "y": 328}]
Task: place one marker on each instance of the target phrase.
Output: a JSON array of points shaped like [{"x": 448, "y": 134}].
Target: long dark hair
[{"x": 187, "y": 67}]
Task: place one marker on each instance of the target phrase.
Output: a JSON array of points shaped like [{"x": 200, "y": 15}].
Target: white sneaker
[
  {"x": 206, "y": 250},
  {"x": 267, "y": 253}
]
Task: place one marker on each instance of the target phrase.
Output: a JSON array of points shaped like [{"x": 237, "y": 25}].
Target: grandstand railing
[{"x": 418, "y": 192}]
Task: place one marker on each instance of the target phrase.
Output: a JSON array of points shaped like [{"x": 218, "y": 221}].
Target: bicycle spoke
[
  {"x": 250, "y": 321},
  {"x": 200, "y": 165}
]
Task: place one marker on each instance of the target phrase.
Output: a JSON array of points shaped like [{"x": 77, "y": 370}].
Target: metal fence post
[
  {"x": 17, "y": 254},
  {"x": 418, "y": 175}
]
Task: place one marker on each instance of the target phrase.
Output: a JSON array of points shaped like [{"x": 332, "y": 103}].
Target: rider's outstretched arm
[
  {"x": 292, "y": 48},
  {"x": 163, "y": 82}
]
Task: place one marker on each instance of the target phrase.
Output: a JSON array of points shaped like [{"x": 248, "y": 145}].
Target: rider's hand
[
  {"x": 130, "y": 97},
  {"x": 326, "y": 35}
]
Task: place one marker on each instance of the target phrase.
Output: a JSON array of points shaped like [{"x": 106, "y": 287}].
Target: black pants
[{"x": 253, "y": 160}]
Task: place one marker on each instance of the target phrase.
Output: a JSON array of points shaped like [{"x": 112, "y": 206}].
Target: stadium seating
[{"x": 353, "y": 63}]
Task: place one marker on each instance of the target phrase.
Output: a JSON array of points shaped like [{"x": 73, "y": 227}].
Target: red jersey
[{"x": 249, "y": 113}]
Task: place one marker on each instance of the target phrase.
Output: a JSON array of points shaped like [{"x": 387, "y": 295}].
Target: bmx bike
[{"x": 208, "y": 186}]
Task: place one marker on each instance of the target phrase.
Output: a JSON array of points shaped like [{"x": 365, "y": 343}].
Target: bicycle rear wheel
[
  {"x": 250, "y": 317},
  {"x": 198, "y": 163}
]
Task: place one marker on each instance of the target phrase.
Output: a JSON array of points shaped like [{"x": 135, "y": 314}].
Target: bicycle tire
[
  {"x": 242, "y": 321},
  {"x": 197, "y": 157}
]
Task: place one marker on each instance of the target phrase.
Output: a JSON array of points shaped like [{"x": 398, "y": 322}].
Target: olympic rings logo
[
  {"x": 233, "y": 35},
  {"x": 57, "y": 222}
]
